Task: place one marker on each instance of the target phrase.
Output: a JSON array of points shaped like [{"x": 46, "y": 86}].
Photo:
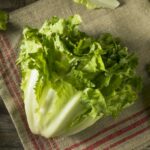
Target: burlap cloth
[{"x": 131, "y": 22}]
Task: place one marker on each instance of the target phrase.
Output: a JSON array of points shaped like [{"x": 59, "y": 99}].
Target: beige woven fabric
[{"x": 131, "y": 22}]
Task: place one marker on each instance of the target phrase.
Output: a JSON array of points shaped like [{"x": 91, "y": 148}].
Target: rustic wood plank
[
  {"x": 10, "y": 5},
  {"x": 9, "y": 139}
]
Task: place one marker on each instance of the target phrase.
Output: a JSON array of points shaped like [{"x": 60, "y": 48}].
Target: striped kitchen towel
[{"x": 131, "y": 22}]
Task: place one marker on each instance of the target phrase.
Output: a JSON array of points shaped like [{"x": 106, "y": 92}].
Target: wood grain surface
[
  {"x": 9, "y": 139},
  {"x": 10, "y": 5}
]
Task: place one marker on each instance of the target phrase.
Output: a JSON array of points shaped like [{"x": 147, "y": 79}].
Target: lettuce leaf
[
  {"x": 92, "y": 4},
  {"x": 70, "y": 79},
  {"x": 3, "y": 20}
]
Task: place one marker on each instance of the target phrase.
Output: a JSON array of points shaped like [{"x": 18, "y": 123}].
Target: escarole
[
  {"x": 70, "y": 79},
  {"x": 93, "y": 4},
  {"x": 3, "y": 20}
]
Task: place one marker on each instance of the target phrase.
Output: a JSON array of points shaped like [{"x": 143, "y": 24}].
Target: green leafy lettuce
[
  {"x": 3, "y": 20},
  {"x": 70, "y": 79},
  {"x": 92, "y": 4}
]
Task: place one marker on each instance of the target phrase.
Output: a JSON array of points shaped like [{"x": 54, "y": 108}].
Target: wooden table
[
  {"x": 10, "y": 5},
  {"x": 9, "y": 139}
]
